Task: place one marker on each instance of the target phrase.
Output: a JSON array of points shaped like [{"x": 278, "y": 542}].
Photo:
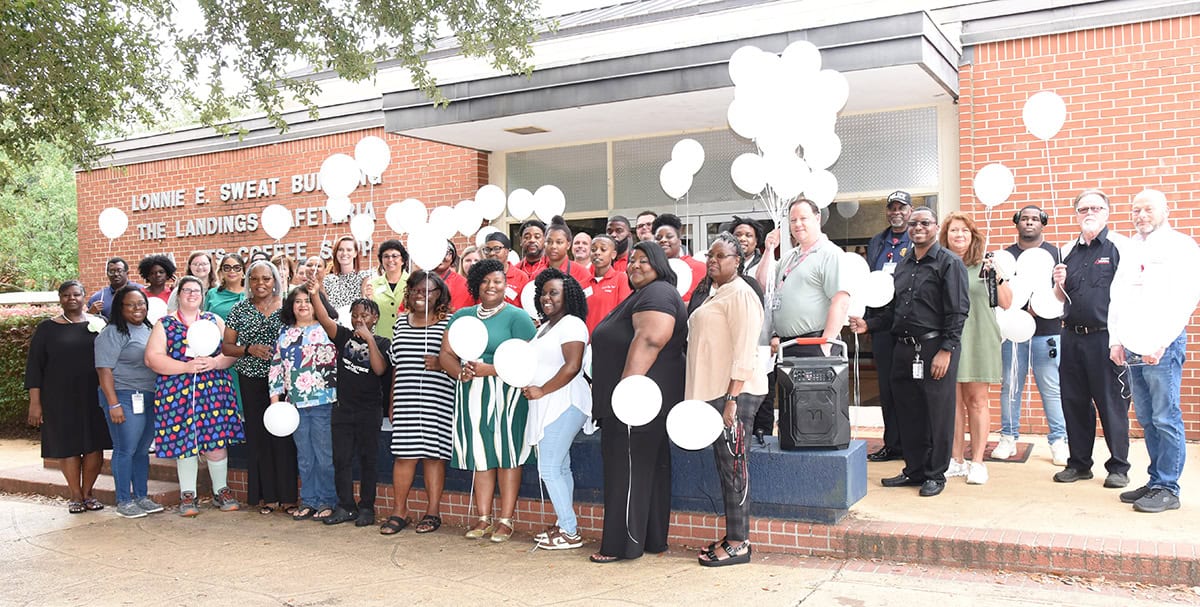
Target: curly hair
[
  {"x": 481, "y": 268},
  {"x": 668, "y": 219},
  {"x": 974, "y": 254},
  {"x": 146, "y": 265},
  {"x": 287, "y": 312},
  {"x": 441, "y": 306},
  {"x": 574, "y": 301},
  {"x": 759, "y": 235},
  {"x": 116, "y": 315}
]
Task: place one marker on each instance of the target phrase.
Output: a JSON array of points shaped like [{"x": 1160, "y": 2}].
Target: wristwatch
[{"x": 729, "y": 397}]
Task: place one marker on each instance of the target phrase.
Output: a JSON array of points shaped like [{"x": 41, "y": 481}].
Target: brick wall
[
  {"x": 434, "y": 173},
  {"x": 1133, "y": 121}
]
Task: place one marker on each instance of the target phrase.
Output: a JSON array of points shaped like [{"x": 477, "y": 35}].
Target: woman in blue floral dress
[{"x": 195, "y": 410}]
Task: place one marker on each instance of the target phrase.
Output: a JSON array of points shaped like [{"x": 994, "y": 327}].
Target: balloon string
[
  {"x": 1049, "y": 170},
  {"x": 629, "y": 487}
]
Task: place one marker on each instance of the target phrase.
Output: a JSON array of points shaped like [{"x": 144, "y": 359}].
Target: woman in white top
[{"x": 560, "y": 399}]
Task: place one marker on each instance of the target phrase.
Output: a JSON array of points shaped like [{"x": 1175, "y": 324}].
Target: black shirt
[
  {"x": 1090, "y": 271},
  {"x": 1045, "y": 326},
  {"x": 931, "y": 295},
  {"x": 359, "y": 389}
]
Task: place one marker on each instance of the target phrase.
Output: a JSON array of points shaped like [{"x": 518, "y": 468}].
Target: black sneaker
[
  {"x": 1116, "y": 480},
  {"x": 1129, "y": 497},
  {"x": 1157, "y": 500},
  {"x": 1070, "y": 475}
]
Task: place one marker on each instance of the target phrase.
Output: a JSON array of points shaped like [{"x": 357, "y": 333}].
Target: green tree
[
  {"x": 38, "y": 241},
  {"x": 76, "y": 68}
]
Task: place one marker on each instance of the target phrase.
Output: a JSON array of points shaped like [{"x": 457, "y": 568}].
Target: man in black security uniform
[
  {"x": 884, "y": 251},
  {"x": 1083, "y": 282},
  {"x": 926, "y": 318}
]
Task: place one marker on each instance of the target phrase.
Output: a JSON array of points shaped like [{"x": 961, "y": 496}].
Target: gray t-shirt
[
  {"x": 804, "y": 289},
  {"x": 125, "y": 355}
]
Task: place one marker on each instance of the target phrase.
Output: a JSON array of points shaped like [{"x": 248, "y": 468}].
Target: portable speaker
[{"x": 814, "y": 402}]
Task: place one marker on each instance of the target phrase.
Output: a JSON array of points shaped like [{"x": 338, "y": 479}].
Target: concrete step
[
  {"x": 160, "y": 470},
  {"x": 41, "y": 480}
]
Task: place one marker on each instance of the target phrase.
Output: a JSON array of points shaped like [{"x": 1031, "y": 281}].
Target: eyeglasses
[
  {"x": 393, "y": 256},
  {"x": 228, "y": 268},
  {"x": 924, "y": 223},
  {"x": 645, "y": 225},
  {"x": 116, "y": 272},
  {"x": 723, "y": 256},
  {"x": 187, "y": 291},
  {"x": 490, "y": 250},
  {"x": 1091, "y": 210}
]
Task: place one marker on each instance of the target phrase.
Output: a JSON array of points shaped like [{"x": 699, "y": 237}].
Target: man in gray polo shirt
[{"x": 809, "y": 300}]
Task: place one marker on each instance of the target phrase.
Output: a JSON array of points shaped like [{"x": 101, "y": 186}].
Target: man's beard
[{"x": 623, "y": 246}]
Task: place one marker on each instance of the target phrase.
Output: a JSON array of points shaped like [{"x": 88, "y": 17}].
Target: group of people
[{"x": 938, "y": 346}]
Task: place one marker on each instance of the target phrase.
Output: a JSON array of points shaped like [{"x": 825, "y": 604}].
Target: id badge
[
  {"x": 890, "y": 267},
  {"x": 918, "y": 368},
  {"x": 510, "y": 293},
  {"x": 775, "y": 301},
  {"x": 587, "y": 292},
  {"x": 139, "y": 403}
]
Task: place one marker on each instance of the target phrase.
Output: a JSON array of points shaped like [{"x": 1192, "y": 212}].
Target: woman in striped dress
[
  {"x": 489, "y": 415},
  {"x": 422, "y": 410}
]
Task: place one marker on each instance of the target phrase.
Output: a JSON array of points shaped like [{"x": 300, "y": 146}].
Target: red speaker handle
[{"x": 809, "y": 341}]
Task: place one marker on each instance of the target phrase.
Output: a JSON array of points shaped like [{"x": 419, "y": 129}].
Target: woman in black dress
[
  {"x": 60, "y": 375},
  {"x": 645, "y": 335}
]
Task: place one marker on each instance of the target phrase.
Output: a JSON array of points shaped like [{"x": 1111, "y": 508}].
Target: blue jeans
[
  {"x": 554, "y": 465},
  {"x": 1156, "y": 401},
  {"x": 1045, "y": 373},
  {"x": 131, "y": 445},
  {"x": 314, "y": 457}
]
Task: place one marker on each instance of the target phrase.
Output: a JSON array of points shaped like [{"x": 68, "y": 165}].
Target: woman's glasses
[{"x": 229, "y": 268}]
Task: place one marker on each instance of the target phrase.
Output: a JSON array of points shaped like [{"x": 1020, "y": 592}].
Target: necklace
[
  {"x": 82, "y": 319},
  {"x": 486, "y": 313}
]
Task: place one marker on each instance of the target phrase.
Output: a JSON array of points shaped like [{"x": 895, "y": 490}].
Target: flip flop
[
  {"x": 92, "y": 504},
  {"x": 265, "y": 509},
  {"x": 323, "y": 514},
  {"x": 304, "y": 513},
  {"x": 75, "y": 507},
  {"x": 429, "y": 523}
]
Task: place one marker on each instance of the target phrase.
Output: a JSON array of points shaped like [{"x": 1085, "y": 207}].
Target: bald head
[{"x": 1149, "y": 211}]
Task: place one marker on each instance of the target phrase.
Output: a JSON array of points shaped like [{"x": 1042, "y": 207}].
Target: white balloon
[
  {"x": 1016, "y": 325},
  {"x": 491, "y": 201},
  {"x": 823, "y": 151},
  {"x": 1044, "y": 114},
  {"x": 281, "y": 419},
  {"x": 741, "y": 64},
  {"x": 878, "y": 289},
  {"x": 856, "y": 309},
  {"x": 1005, "y": 264},
  {"x": 993, "y": 184},
  {"x": 520, "y": 204},
  {"x": 426, "y": 248},
  {"x": 802, "y": 59},
  {"x": 675, "y": 180},
  {"x": 155, "y": 310},
  {"x": 113, "y": 222},
  {"x": 339, "y": 208},
  {"x": 1046, "y": 304},
  {"x": 637, "y": 400},
  {"x": 776, "y": 141},
  {"x": 442, "y": 220},
  {"x": 832, "y": 90},
  {"x": 362, "y": 227},
  {"x": 1022, "y": 289},
  {"x": 529, "y": 299},
  {"x": 372, "y": 155},
  {"x": 749, "y": 173},
  {"x": 822, "y": 188},
  {"x": 847, "y": 208},
  {"x": 276, "y": 220},
  {"x": 587, "y": 360},
  {"x": 482, "y": 235},
  {"x": 743, "y": 118},
  {"x": 339, "y": 176},
  {"x": 513, "y": 258},
  {"x": 1035, "y": 265},
  {"x": 405, "y": 215},
  {"x": 203, "y": 338},
  {"x": 787, "y": 174},
  {"x": 468, "y": 337},
  {"x": 549, "y": 201},
  {"x": 853, "y": 272},
  {"x": 467, "y": 217},
  {"x": 688, "y": 153},
  {"x": 824, "y": 216},
  {"x": 694, "y": 424},
  {"x": 514, "y": 361},
  {"x": 683, "y": 275}
]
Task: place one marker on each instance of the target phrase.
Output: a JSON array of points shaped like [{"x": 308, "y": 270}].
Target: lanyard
[{"x": 792, "y": 265}]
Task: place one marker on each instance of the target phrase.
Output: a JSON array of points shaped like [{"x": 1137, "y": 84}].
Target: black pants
[
  {"x": 272, "y": 470},
  {"x": 637, "y": 488},
  {"x": 1086, "y": 374},
  {"x": 925, "y": 409},
  {"x": 882, "y": 344},
  {"x": 356, "y": 435},
  {"x": 735, "y": 482}
]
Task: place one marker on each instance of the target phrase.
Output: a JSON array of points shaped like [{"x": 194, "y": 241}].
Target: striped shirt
[{"x": 423, "y": 409}]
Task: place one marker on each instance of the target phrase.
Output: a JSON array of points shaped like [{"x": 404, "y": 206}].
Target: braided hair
[{"x": 574, "y": 301}]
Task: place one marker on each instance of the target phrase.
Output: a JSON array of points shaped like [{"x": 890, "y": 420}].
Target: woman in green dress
[
  {"x": 489, "y": 415},
  {"x": 220, "y": 299}
]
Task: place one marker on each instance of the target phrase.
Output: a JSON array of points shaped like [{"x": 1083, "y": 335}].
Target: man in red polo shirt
[
  {"x": 497, "y": 247},
  {"x": 533, "y": 248},
  {"x": 618, "y": 231}
]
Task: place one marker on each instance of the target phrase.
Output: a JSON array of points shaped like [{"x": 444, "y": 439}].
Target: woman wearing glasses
[
  {"x": 221, "y": 299},
  {"x": 194, "y": 403},
  {"x": 387, "y": 289}
]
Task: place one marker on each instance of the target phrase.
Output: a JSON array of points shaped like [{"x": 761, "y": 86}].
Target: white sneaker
[
  {"x": 977, "y": 473},
  {"x": 956, "y": 468},
  {"x": 1006, "y": 448},
  {"x": 1059, "y": 452}
]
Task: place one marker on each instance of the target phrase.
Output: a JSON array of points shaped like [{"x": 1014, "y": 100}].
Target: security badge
[
  {"x": 918, "y": 367},
  {"x": 139, "y": 403}
]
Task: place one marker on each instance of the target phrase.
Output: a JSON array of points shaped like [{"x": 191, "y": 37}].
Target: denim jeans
[
  {"x": 314, "y": 455},
  {"x": 1045, "y": 373},
  {"x": 1156, "y": 401},
  {"x": 131, "y": 445},
  {"x": 554, "y": 465}
]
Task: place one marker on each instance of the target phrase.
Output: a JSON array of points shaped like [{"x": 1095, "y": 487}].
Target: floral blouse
[{"x": 304, "y": 367}]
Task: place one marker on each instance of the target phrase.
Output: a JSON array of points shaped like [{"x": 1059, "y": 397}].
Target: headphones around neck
[{"x": 1016, "y": 219}]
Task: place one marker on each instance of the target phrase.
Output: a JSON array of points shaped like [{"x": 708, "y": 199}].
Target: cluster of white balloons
[
  {"x": 691, "y": 424},
  {"x": 785, "y": 103},
  {"x": 867, "y": 289},
  {"x": 1028, "y": 277},
  {"x": 676, "y": 175}
]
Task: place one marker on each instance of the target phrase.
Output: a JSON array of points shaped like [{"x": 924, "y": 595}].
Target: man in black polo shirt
[
  {"x": 926, "y": 318},
  {"x": 1083, "y": 281}
]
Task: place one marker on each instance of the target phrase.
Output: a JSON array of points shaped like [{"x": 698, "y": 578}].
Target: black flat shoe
[
  {"x": 340, "y": 515},
  {"x": 885, "y": 454},
  {"x": 900, "y": 480},
  {"x": 932, "y": 488}
]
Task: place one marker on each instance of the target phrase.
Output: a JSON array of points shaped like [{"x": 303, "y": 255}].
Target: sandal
[
  {"x": 499, "y": 536},
  {"x": 478, "y": 532},
  {"x": 709, "y": 558},
  {"x": 75, "y": 507},
  {"x": 92, "y": 504},
  {"x": 429, "y": 523},
  {"x": 305, "y": 512},
  {"x": 323, "y": 514},
  {"x": 291, "y": 510},
  {"x": 266, "y": 509},
  {"x": 603, "y": 558},
  {"x": 393, "y": 525}
]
